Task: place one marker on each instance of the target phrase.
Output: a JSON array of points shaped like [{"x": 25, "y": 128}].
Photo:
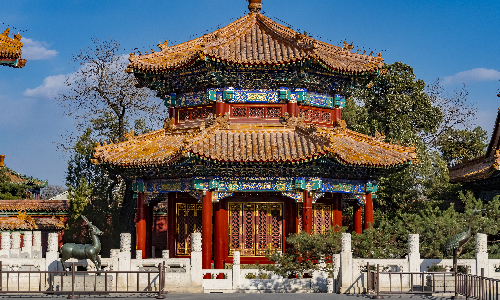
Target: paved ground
[{"x": 268, "y": 296}]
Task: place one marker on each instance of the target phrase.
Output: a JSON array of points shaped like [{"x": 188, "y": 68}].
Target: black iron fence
[
  {"x": 470, "y": 286},
  {"x": 76, "y": 282},
  {"x": 382, "y": 283},
  {"x": 479, "y": 287}
]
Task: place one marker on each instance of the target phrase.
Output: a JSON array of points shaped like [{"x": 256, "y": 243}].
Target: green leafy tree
[
  {"x": 305, "y": 252},
  {"x": 10, "y": 190},
  {"x": 458, "y": 145},
  {"x": 93, "y": 192}
]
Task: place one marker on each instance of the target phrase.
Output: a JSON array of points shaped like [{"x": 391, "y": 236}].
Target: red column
[
  {"x": 171, "y": 219},
  {"x": 357, "y": 219},
  {"x": 141, "y": 224},
  {"x": 149, "y": 231},
  {"x": 307, "y": 213},
  {"x": 338, "y": 209},
  {"x": 368, "y": 211},
  {"x": 206, "y": 248},
  {"x": 292, "y": 108},
  {"x": 221, "y": 236},
  {"x": 219, "y": 108}
]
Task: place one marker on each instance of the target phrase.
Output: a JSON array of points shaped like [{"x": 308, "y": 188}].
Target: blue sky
[{"x": 456, "y": 41}]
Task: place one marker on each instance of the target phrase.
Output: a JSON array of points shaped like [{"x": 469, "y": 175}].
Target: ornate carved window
[
  {"x": 273, "y": 112},
  {"x": 196, "y": 114},
  {"x": 239, "y": 111},
  {"x": 325, "y": 117},
  {"x": 257, "y": 112},
  {"x": 255, "y": 228},
  {"x": 322, "y": 217},
  {"x": 184, "y": 115},
  {"x": 189, "y": 218},
  {"x": 315, "y": 115},
  {"x": 307, "y": 114},
  {"x": 205, "y": 112}
]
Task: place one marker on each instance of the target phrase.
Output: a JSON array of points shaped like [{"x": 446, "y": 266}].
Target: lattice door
[
  {"x": 189, "y": 218},
  {"x": 255, "y": 227},
  {"x": 322, "y": 217}
]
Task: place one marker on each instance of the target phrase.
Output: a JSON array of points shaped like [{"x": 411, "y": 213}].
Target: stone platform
[{"x": 89, "y": 282}]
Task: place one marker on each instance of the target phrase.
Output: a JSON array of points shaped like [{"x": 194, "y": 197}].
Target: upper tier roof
[
  {"x": 10, "y": 49},
  {"x": 256, "y": 40},
  {"x": 481, "y": 167},
  {"x": 224, "y": 142}
]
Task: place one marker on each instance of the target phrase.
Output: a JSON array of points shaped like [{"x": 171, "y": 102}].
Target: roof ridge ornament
[{"x": 254, "y": 6}]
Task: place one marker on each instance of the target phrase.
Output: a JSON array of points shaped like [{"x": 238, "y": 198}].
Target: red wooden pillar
[
  {"x": 141, "y": 224},
  {"x": 357, "y": 219},
  {"x": 292, "y": 108},
  {"x": 221, "y": 234},
  {"x": 149, "y": 231},
  {"x": 206, "y": 248},
  {"x": 171, "y": 219},
  {"x": 220, "y": 108},
  {"x": 307, "y": 213},
  {"x": 368, "y": 211},
  {"x": 337, "y": 210}
]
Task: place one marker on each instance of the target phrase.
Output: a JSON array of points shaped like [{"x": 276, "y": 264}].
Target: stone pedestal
[
  {"x": 124, "y": 257},
  {"x": 5, "y": 241},
  {"x": 196, "y": 260},
  {"x": 15, "y": 248},
  {"x": 481, "y": 254},
  {"x": 36, "y": 251},
  {"x": 345, "y": 263},
  {"x": 27, "y": 244},
  {"x": 90, "y": 283},
  {"x": 236, "y": 270},
  {"x": 165, "y": 254},
  {"x": 414, "y": 253},
  {"x": 114, "y": 254},
  {"x": 52, "y": 255}
]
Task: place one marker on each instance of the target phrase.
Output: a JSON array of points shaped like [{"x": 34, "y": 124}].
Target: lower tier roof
[{"x": 218, "y": 141}]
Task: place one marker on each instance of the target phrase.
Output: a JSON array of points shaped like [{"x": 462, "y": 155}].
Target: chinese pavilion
[
  {"x": 255, "y": 148},
  {"x": 10, "y": 50},
  {"x": 481, "y": 174}
]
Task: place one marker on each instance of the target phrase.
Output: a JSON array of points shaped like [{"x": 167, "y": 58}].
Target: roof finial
[{"x": 254, "y": 6}]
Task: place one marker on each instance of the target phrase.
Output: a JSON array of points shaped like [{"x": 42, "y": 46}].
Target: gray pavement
[{"x": 237, "y": 296}]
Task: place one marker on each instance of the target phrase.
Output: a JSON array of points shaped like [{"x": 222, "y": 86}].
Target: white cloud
[
  {"x": 51, "y": 87},
  {"x": 474, "y": 75},
  {"x": 33, "y": 50}
]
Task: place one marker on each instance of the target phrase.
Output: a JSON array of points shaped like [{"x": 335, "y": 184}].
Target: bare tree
[
  {"x": 101, "y": 94},
  {"x": 101, "y": 85},
  {"x": 458, "y": 112},
  {"x": 52, "y": 191}
]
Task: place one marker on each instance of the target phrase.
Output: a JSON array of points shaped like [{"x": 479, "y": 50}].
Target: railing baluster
[
  {"x": 433, "y": 282},
  {"x": 138, "y": 274}
]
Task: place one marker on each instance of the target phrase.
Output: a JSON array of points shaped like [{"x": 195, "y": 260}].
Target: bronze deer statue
[{"x": 83, "y": 251}]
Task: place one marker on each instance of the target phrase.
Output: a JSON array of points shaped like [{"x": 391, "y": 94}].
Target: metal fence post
[
  {"x": 481, "y": 285},
  {"x": 377, "y": 284},
  {"x": 160, "y": 282},
  {"x": 72, "y": 296}
]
